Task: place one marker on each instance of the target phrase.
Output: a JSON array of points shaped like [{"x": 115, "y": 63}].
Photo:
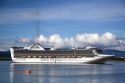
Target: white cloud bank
[
  {"x": 80, "y": 40},
  {"x": 105, "y": 41}
]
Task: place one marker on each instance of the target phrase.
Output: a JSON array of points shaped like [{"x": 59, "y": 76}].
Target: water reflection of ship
[
  {"x": 46, "y": 73},
  {"x": 39, "y": 73}
]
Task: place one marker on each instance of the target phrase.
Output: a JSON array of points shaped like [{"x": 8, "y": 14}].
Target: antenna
[
  {"x": 16, "y": 41},
  {"x": 113, "y": 53},
  {"x": 36, "y": 20},
  {"x": 37, "y": 28}
]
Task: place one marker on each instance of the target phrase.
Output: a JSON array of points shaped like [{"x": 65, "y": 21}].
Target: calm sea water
[{"x": 111, "y": 72}]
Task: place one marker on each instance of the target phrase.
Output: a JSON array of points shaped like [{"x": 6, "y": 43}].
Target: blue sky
[{"x": 19, "y": 18}]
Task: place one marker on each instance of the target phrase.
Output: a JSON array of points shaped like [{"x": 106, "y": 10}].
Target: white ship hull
[{"x": 61, "y": 60}]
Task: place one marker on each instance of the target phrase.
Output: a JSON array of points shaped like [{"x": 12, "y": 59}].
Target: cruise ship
[{"x": 38, "y": 54}]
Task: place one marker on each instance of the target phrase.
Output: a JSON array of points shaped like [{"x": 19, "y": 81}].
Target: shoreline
[
  {"x": 5, "y": 59},
  {"x": 118, "y": 59}
]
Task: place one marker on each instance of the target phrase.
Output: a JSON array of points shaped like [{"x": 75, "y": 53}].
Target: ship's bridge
[{"x": 35, "y": 46}]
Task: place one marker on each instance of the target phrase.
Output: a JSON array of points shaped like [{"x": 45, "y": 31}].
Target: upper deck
[{"x": 40, "y": 52}]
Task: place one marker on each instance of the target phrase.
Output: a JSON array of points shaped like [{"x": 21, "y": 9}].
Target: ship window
[
  {"x": 53, "y": 56},
  {"x": 28, "y": 56},
  {"x": 34, "y": 56},
  {"x": 68, "y": 56},
  {"x": 45, "y": 56},
  {"x": 58, "y": 56},
  {"x": 40, "y": 56},
  {"x": 63, "y": 56},
  {"x": 49, "y": 56},
  {"x": 78, "y": 56},
  {"x": 73, "y": 56},
  {"x": 23, "y": 56}
]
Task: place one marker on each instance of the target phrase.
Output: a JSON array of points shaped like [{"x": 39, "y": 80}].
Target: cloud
[
  {"x": 80, "y": 40},
  {"x": 41, "y": 38},
  {"x": 121, "y": 45},
  {"x": 105, "y": 41},
  {"x": 24, "y": 40},
  {"x": 54, "y": 41}
]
